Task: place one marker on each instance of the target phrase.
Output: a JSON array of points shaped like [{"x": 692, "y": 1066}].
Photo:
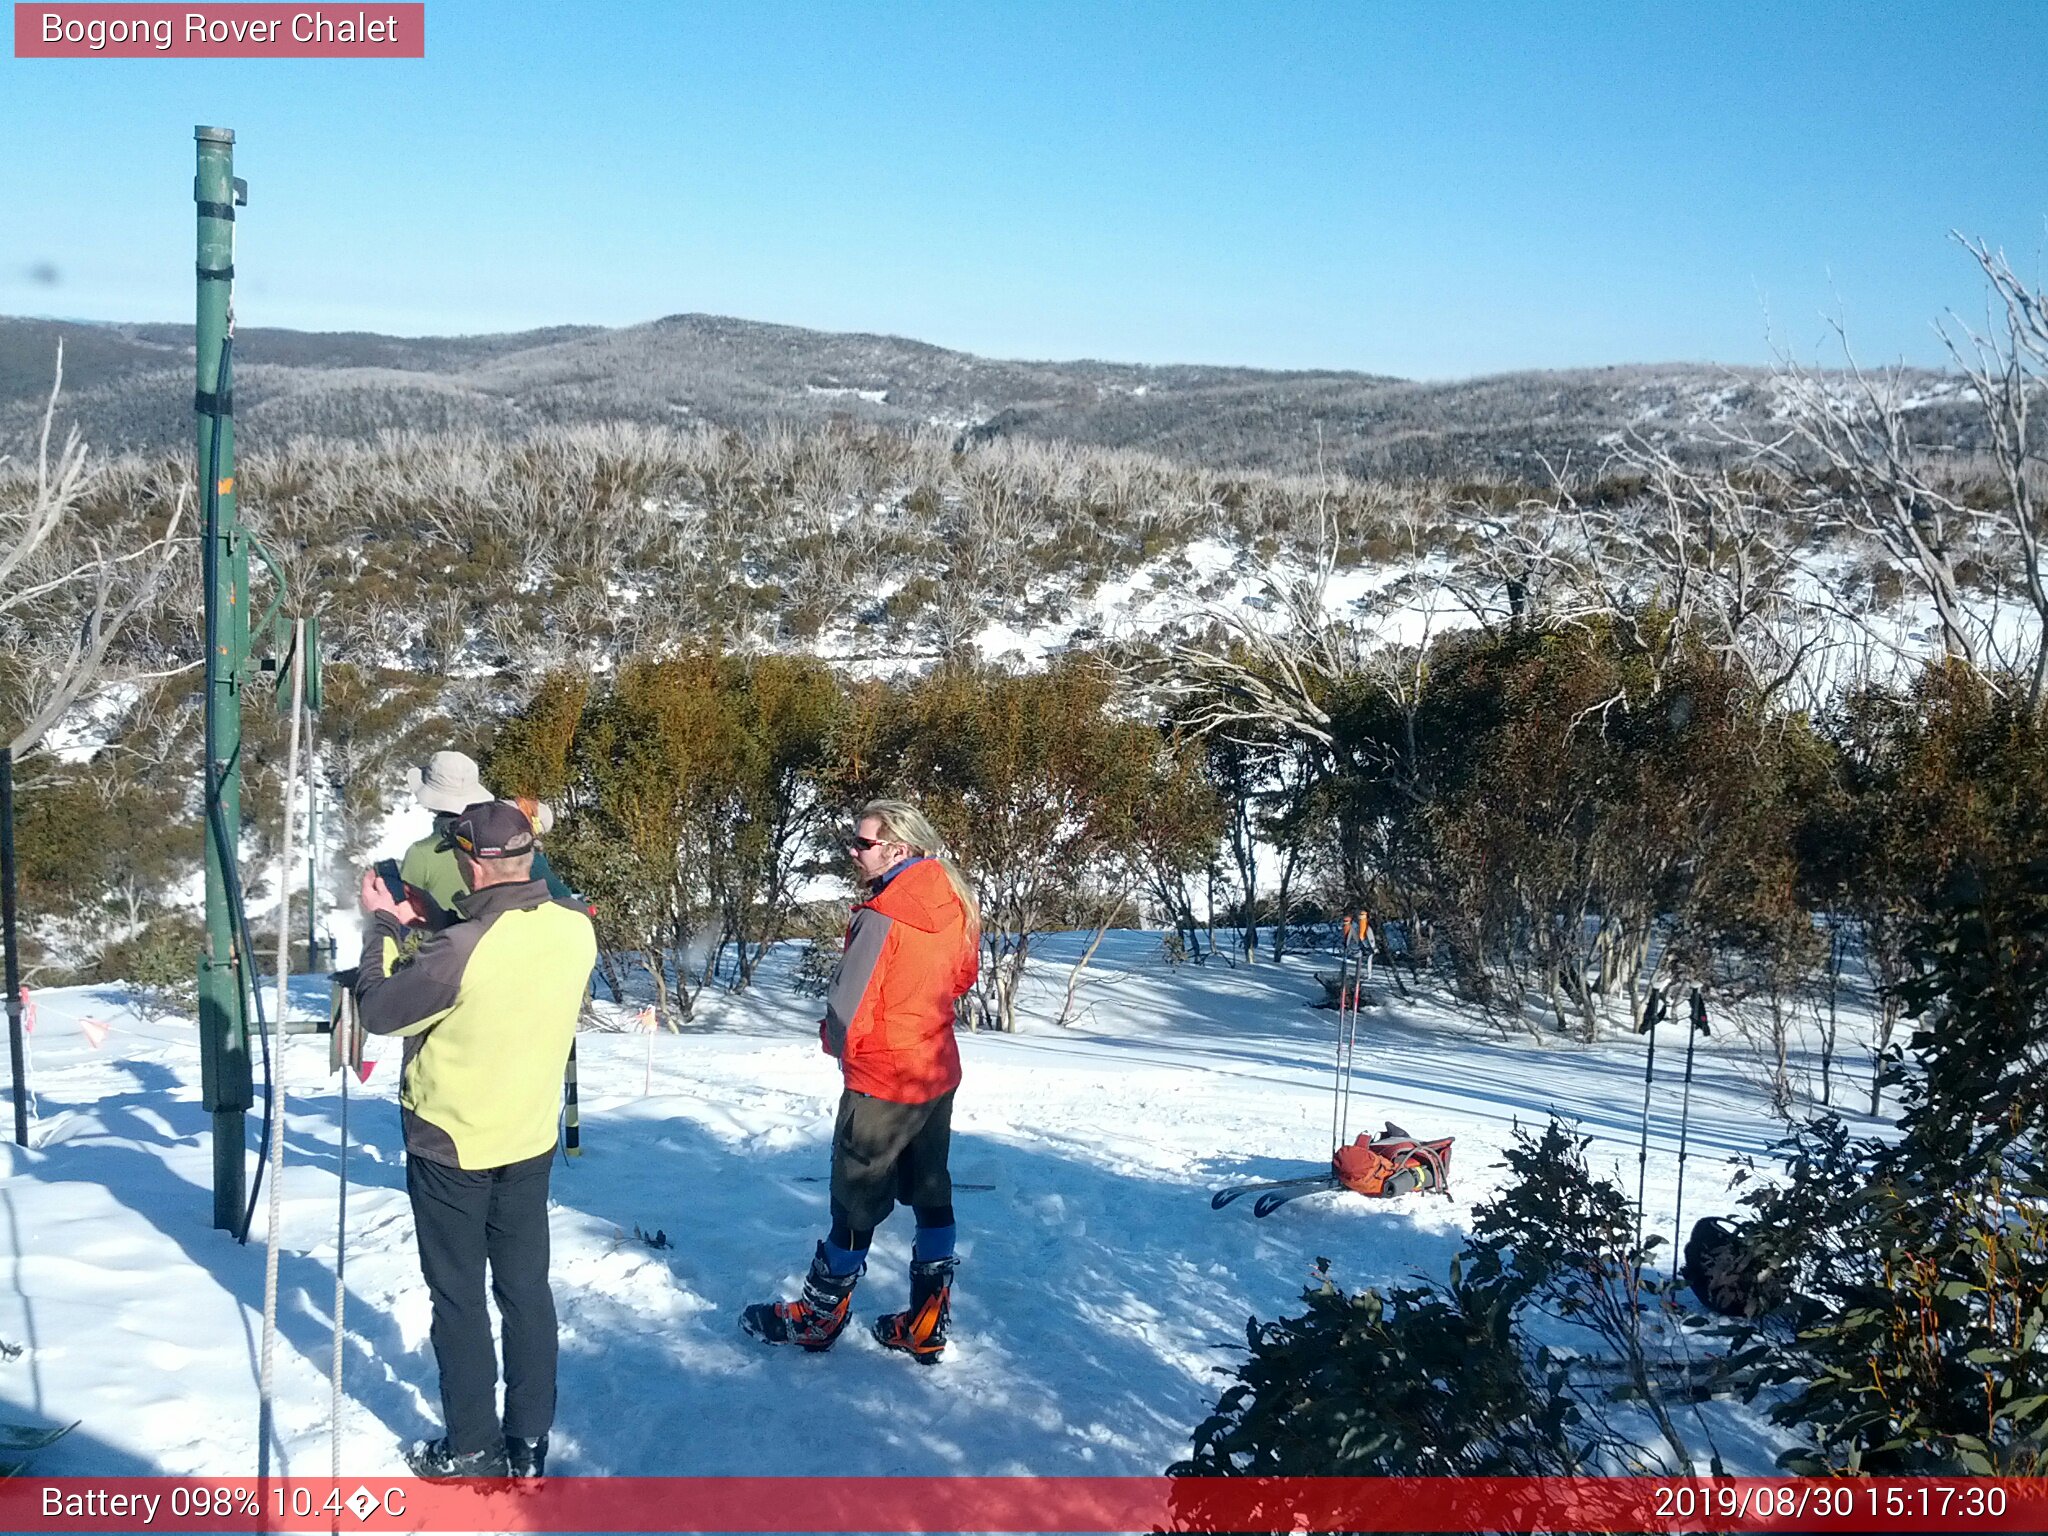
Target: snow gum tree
[
  {"x": 690, "y": 790},
  {"x": 76, "y": 569},
  {"x": 1034, "y": 781}
]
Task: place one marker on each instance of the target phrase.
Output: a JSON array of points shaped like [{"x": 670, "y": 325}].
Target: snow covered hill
[
  {"x": 130, "y": 388},
  {"x": 1098, "y": 1292}
]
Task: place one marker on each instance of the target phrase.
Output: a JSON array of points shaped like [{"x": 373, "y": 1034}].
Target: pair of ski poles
[
  {"x": 1653, "y": 1014},
  {"x": 1351, "y": 979}
]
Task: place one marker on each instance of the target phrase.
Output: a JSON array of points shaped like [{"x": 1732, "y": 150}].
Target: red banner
[
  {"x": 104, "y": 31},
  {"x": 1016, "y": 1504}
]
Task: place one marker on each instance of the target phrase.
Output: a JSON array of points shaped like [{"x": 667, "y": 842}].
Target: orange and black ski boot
[
  {"x": 816, "y": 1318},
  {"x": 921, "y": 1332}
]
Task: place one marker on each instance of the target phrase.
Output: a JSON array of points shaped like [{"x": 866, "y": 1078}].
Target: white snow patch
[{"x": 1099, "y": 1290}]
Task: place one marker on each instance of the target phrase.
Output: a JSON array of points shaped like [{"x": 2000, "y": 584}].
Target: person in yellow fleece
[{"x": 487, "y": 1007}]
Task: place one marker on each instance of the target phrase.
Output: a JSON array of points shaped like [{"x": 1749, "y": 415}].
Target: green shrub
[
  {"x": 1428, "y": 1381},
  {"x": 1443, "y": 1379},
  {"x": 1922, "y": 1260},
  {"x": 161, "y": 962}
]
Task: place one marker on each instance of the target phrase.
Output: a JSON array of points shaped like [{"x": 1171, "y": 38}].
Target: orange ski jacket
[{"x": 910, "y": 956}]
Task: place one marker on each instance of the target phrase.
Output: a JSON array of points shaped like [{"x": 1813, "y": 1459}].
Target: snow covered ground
[{"x": 1097, "y": 1296}]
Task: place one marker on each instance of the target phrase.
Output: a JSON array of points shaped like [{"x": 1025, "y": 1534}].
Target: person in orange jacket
[{"x": 912, "y": 952}]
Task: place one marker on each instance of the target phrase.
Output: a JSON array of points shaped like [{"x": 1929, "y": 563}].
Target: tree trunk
[
  {"x": 1888, "y": 1020},
  {"x": 1283, "y": 909},
  {"x": 663, "y": 1010},
  {"x": 1781, "y": 1069},
  {"x": 608, "y": 968},
  {"x": 1009, "y": 975},
  {"x": 1080, "y": 965},
  {"x": 1836, "y": 949}
]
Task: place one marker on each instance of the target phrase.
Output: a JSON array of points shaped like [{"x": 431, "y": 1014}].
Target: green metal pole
[
  {"x": 312, "y": 846},
  {"x": 223, "y": 1010},
  {"x": 15, "y": 1045},
  {"x": 310, "y": 639}
]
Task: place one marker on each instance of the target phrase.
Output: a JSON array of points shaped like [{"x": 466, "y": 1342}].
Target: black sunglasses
[{"x": 863, "y": 844}]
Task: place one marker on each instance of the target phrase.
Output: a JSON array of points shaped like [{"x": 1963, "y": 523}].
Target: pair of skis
[
  {"x": 1273, "y": 1193},
  {"x": 1352, "y": 977}
]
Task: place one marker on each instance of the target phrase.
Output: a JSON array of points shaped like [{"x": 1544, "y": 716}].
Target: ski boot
[
  {"x": 526, "y": 1460},
  {"x": 921, "y": 1332},
  {"x": 816, "y": 1318},
  {"x": 438, "y": 1461}
]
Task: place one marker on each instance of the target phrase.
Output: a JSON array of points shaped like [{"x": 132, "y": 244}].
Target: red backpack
[{"x": 1394, "y": 1163}]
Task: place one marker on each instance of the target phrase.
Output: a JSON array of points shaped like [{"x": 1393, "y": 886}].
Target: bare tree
[
  {"x": 65, "y": 594},
  {"x": 1968, "y": 533},
  {"x": 1269, "y": 665},
  {"x": 1874, "y": 477},
  {"x": 2007, "y": 370},
  {"x": 1706, "y": 552},
  {"x": 1512, "y": 580}
]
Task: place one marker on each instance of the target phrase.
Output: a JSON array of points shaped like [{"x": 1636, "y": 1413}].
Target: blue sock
[
  {"x": 843, "y": 1261},
  {"x": 932, "y": 1243}
]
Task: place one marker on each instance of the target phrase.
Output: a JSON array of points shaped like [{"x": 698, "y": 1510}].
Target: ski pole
[
  {"x": 334, "y": 1365},
  {"x": 1337, "y": 1076},
  {"x": 1698, "y": 1005},
  {"x": 1653, "y": 1015},
  {"x": 572, "y": 1121},
  {"x": 1358, "y": 965}
]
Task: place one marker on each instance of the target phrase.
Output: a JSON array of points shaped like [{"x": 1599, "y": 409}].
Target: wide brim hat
[{"x": 450, "y": 782}]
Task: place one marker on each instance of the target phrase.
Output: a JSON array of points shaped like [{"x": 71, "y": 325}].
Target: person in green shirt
[{"x": 448, "y": 785}]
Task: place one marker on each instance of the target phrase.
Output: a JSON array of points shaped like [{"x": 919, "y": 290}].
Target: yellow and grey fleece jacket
[{"x": 487, "y": 1008}]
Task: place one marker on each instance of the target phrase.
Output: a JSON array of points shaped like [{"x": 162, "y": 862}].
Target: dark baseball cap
[{"x": 490, "y": 829}]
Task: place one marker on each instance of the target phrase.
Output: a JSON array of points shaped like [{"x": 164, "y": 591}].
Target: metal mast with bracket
[{"x": 225, "y": 971}]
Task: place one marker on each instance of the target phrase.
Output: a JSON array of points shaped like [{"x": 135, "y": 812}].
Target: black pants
[
  {"x": 883, "y": 1152},
  {"x": 465, "y": 1218}
]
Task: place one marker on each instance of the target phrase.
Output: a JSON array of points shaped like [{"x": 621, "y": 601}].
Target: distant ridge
[{"x": 129, "y": 386}]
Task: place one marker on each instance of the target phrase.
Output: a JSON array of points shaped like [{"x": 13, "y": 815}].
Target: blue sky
[{"x": 1433, "y": 190}]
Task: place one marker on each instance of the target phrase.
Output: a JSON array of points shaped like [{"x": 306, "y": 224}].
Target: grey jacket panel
[
  {"x": 851, "y": 977},
  {"x": 412, "y": 995},
  {"x": 425, "y": 1139}
]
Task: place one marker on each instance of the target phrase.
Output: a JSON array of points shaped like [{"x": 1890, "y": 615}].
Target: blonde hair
[{"x": 901, "y": 822}]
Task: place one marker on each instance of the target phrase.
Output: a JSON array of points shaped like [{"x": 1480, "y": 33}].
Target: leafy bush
[
  {"x": 1923, "y": 1261},
  {"x": 162, "y": 962},
  {"x": 1432, "y": 1380},
  {"x": 1445, "y": 1379}
]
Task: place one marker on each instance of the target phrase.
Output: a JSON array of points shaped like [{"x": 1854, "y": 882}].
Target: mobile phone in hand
[{"x": 394, "y": 884}]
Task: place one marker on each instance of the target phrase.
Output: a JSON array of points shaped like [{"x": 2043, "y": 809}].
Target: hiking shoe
[
  {"x": 526, "y": 1459},
  {"x": 816, "y": 1318},
  {"x": 921, "y": 1331},
  {"x": 439, "y": 1460}
]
